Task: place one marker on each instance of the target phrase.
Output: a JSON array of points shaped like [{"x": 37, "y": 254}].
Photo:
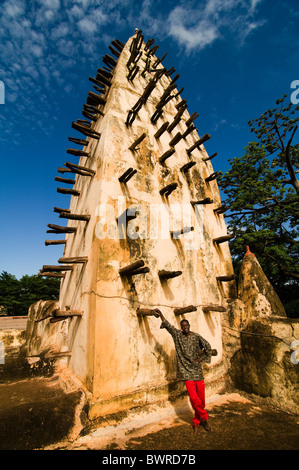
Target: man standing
[{"x": 191, "y": 350}]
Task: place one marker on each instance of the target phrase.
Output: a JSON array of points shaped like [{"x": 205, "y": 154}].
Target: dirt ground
[{"x": 238, "y": 422}]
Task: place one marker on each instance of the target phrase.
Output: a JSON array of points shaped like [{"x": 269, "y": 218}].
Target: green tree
[
  {"x": 16, "y": 296},
  {"x": 261, "y": 191}
]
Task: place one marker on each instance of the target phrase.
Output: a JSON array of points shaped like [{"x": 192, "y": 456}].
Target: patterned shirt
[{"x": 188, "y": 349}]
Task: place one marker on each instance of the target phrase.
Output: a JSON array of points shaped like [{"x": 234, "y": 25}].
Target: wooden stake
[
  {"x": 169, "y": 274},
  {"x": 212, "y": 177},
  {"x": 75, "y": 259},
  {"x": 161, "y": 130},
  {"x": 140, "y": 271},
  {"x": 127, "y": 175},
  {"x": 55, "y": 242},
  {"x": 226, "y": 278},
  {"x": 198, "y": 143},
  {"x": 176, "y": 139},
  {"x": 207, "y": 200},
  {"x": 49, "y": 274},
  {"x": 50, "y": 268},
  {"x": 168, "y": 189},
  {"x": 223, "y": 239},
  {"x": 73, "y": 192},
  {"x": 166, "y": 155},
  {"x": 79, "y": 169},
  {"x": 137, "y": 141},
  {"x": 64, "y": 180},
  {"x": 182, "y": 310},
  {"x": 221, "y": 209},
  {"x": 131, "y": 267},
  {"x": 78, "y": 153},
  {"x": 213, "y": 308},
  {"x": 191, "y": 119},
  {"x": 67, "y": 215},
  {"x": 188, "y": 131},
  {"x": 59, "y": 229},
  {"x": 116, "y": 53},
  {"x": 187, "y": 166},
  {"x": 178, "y": 233},
  {"x": 78, "y": 141},
  {"x": 143, "y": 312},
  {"x": 209, "y": 158}
]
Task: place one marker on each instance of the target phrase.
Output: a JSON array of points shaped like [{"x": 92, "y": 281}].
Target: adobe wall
[{"x": 124, "y": 359}]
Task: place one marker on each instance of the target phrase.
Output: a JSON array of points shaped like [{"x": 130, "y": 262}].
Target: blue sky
[{"x": 234, "y": 57}]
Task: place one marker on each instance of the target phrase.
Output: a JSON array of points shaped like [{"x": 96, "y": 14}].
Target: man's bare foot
[
  {"x": 195, "y": 429},
  {"x": 205, "y": 424}
]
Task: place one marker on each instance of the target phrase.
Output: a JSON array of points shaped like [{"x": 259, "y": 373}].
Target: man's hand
[{"x": 159, "y": 313}]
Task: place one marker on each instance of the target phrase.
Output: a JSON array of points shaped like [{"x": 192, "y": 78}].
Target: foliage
[
  {"x": 16, "y": 296},
  {"x": 262, "y": 193}
]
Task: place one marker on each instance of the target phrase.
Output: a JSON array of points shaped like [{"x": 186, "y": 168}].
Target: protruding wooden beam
[
  {"x": 74, "y": 259},
  {"x": 223, "y": 239},
  {"x": 63, "y": 170},
  {"x": 209, "y": 158},
  {"x": 78, "y": 153},
  {"x": 50, "y": 274},
  {"x": 50, "y": 268},
  {"x": 58, "y": 210},
  {"x": 67, "y": 215},
  {"x": 67, "y": 313},
  {"x": 198, "y": 143},
  {"x": 127, "y": 175},
  {"x": 175, "y": 79},
  {"x": 168, "y": 189},
  {"x": 79, "y": 169},
  {"x": 188, "y": 131},
  {"x": 60, "y": 229},
  {"x": 108, "y": 60},
  {"x": 182, "y": 310},
  {"x": 137, "y": 141},
  {"x": 175, "y": 139},
  {"x": 117, "y": 45},
  {"x": 55, "y": 242},
  {"x": 168, "y": 274},
  {"x": 221, "y": 209},
  {"x": 187, "y": 167},
  {"x": 64, "y": 180},
  {"x": 191, "y": 119},
  {"x": 166, "y": 155},
  {"x": 72, "y": 192},
  {"x": 157, "y": 114},
  {"x": 181, "y": 103},
  {"x": 78, "y": 141},
  {"x": 213, "y": 308},
  {"x": 131, "y": 267},
  {"x": 94, "y": 97},
  {"x": 207, "y": 200},
  {"x": 178, "y": 233},
  {"x": 86, "y": 130},
  {"x": 133, "y": 72},
  {"x": 161, "y": 130},
  {"x": 212, "y": 177},
  {"x": 143, "y": 312},
  {"x": 140, "y": 271},
  {"x": 232, "y": 277},
  {"x": 114, "y": 51}
]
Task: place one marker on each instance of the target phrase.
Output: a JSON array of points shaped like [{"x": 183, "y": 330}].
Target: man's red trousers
[{"x": 196, "y": 391}]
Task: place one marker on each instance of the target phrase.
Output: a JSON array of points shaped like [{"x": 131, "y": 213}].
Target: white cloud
[
  {"x": 196, "y": 28},
  {"x": 86, "y": 25}
]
